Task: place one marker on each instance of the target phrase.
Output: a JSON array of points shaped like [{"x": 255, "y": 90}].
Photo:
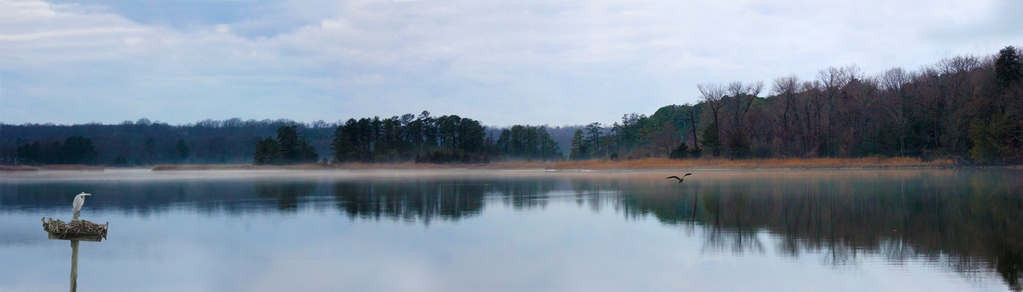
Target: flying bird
[
  {"x": 79, "y": 201},
  {"x": 679, "y": 178}
]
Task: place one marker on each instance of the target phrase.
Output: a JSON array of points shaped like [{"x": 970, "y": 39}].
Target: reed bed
[
  {"x": 356, "y": 165},
  {"x": 72, "y": 167},
  {"x": 17, "y": 168},
  {"x": 231, "y": 167},
  {"x": 50, "y": 167}
]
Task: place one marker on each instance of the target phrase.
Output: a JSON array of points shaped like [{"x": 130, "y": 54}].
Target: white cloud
[{"x": 502, "y": 62}]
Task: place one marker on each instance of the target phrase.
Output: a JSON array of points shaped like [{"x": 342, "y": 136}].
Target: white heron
[{"x": 79, "y": 201}]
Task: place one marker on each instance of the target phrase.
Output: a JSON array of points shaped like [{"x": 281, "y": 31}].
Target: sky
[{"x": 500, "y": 62}]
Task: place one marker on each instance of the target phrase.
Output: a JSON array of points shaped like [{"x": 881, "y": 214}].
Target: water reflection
[
  {"x": 136, "y": 197},
  {"x": 416, "y": 200},
  {"x": 74, "y": 253},
  {"x": 429, "y": 199},
  {"x": 964, "y": 220},
  {"x": 285, "y": 192},
  {"x": 968, "y": 221}
]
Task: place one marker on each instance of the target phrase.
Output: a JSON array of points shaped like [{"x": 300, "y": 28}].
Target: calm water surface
[{"x": 472, "y": 230}]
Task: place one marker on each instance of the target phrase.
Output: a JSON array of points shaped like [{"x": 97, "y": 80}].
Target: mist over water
[{"x": 472, "y": 230}]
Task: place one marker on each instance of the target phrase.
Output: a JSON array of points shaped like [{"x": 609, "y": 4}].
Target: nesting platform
[{"x": 75, "y": 230}]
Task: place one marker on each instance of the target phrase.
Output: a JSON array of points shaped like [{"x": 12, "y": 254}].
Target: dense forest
[
  {"x": 965, "y": 108},
  {"x": 422, "y": 138},
  {"x": 288, "y": 148},
  {"x": 425, "y": 139},
  {"x": 143, "y": 142}
]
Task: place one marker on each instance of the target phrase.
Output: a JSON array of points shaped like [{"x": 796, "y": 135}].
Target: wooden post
[{"x": 74, "y": 265}]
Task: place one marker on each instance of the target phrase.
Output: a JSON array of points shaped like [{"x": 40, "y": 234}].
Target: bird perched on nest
[
  {"x": 77, "y": 204},
  {"x": 679, "y": 178}
]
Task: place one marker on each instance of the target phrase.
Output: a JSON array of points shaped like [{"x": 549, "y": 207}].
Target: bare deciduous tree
[
  {"x": 743, "y": 96},
  {"x": 713, "y": 96},
  {"x": 786, "y": 89},
  {"x": 892, "y": 82}
]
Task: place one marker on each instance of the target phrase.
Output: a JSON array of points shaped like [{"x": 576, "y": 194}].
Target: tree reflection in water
[
  {"x": 429, "y": 199},
  {"x": 971, "y": 221},
  {"x": 286, "y": 192},
  {"x": 968, "y": 221},
  {"x": 409, "y": 201}
]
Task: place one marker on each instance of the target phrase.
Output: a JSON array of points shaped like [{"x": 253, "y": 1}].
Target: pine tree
[
  {"x": 711, "y": 140},
  {"x": 580, "y": 150},
  {"x": 1008, "y": 67},
  {"x": 267, "y": 152},
  {"x": 182, "y": 150}
]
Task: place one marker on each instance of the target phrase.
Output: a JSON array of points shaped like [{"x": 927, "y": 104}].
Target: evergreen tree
[
  {"x": 1008, "y": 67},
  {"x": 74, "y": 150},
  {"x": 289, "y": 144},
  {"x": 267, "y": 152},
  {"x": 580, "y": 150},
  {"x": 528, "y": 142},
  {"x": 292, "y": 147},
  {"x": 738, "y": 145},
  {"x": 985, "y": 149},
  {"x": 593, "y": 134},
  {"x": 711, "y": 140},
  {"x": 77, "y": 150},
  {"x": 344, "y": 149},
  {"x": 680, "y": 152},
  {"x": 182, "y": 150}
]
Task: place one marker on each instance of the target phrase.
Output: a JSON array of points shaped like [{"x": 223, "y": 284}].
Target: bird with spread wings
[{"x": 679, "y": 178}]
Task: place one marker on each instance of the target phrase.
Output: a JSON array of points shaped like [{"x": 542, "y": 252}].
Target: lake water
[{"x": 488, "y": 230}]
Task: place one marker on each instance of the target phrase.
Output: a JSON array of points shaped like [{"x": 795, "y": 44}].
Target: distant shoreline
[{"x": 633, "y": 164}]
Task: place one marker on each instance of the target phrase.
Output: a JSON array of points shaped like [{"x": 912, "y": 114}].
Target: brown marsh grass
[
  {"x": 357, "y": 165},
  {"x": 49, "y": 167},
  {"x": 17, "y": 168}
]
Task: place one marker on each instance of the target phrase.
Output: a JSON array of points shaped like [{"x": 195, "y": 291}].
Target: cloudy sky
[{"x": 500, "y": 62}]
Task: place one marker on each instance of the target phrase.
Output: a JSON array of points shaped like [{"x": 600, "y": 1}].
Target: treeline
[
  {"x": 144, "y": 142},
  {"x": 401, "y": 138},
  {"x": 528, "y": 142},
  {"x": 666, "y": 133},
  {"x": 443, "y": 139},
  {"x": 407, "y": 137},
  {"x": 966, "y": 108},
  {"x": 74, "y": 150},
  {"x": 290, "y": 147}
]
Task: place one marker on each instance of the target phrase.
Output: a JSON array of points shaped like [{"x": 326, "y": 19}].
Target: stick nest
[{"x": 75, "y": 227}]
